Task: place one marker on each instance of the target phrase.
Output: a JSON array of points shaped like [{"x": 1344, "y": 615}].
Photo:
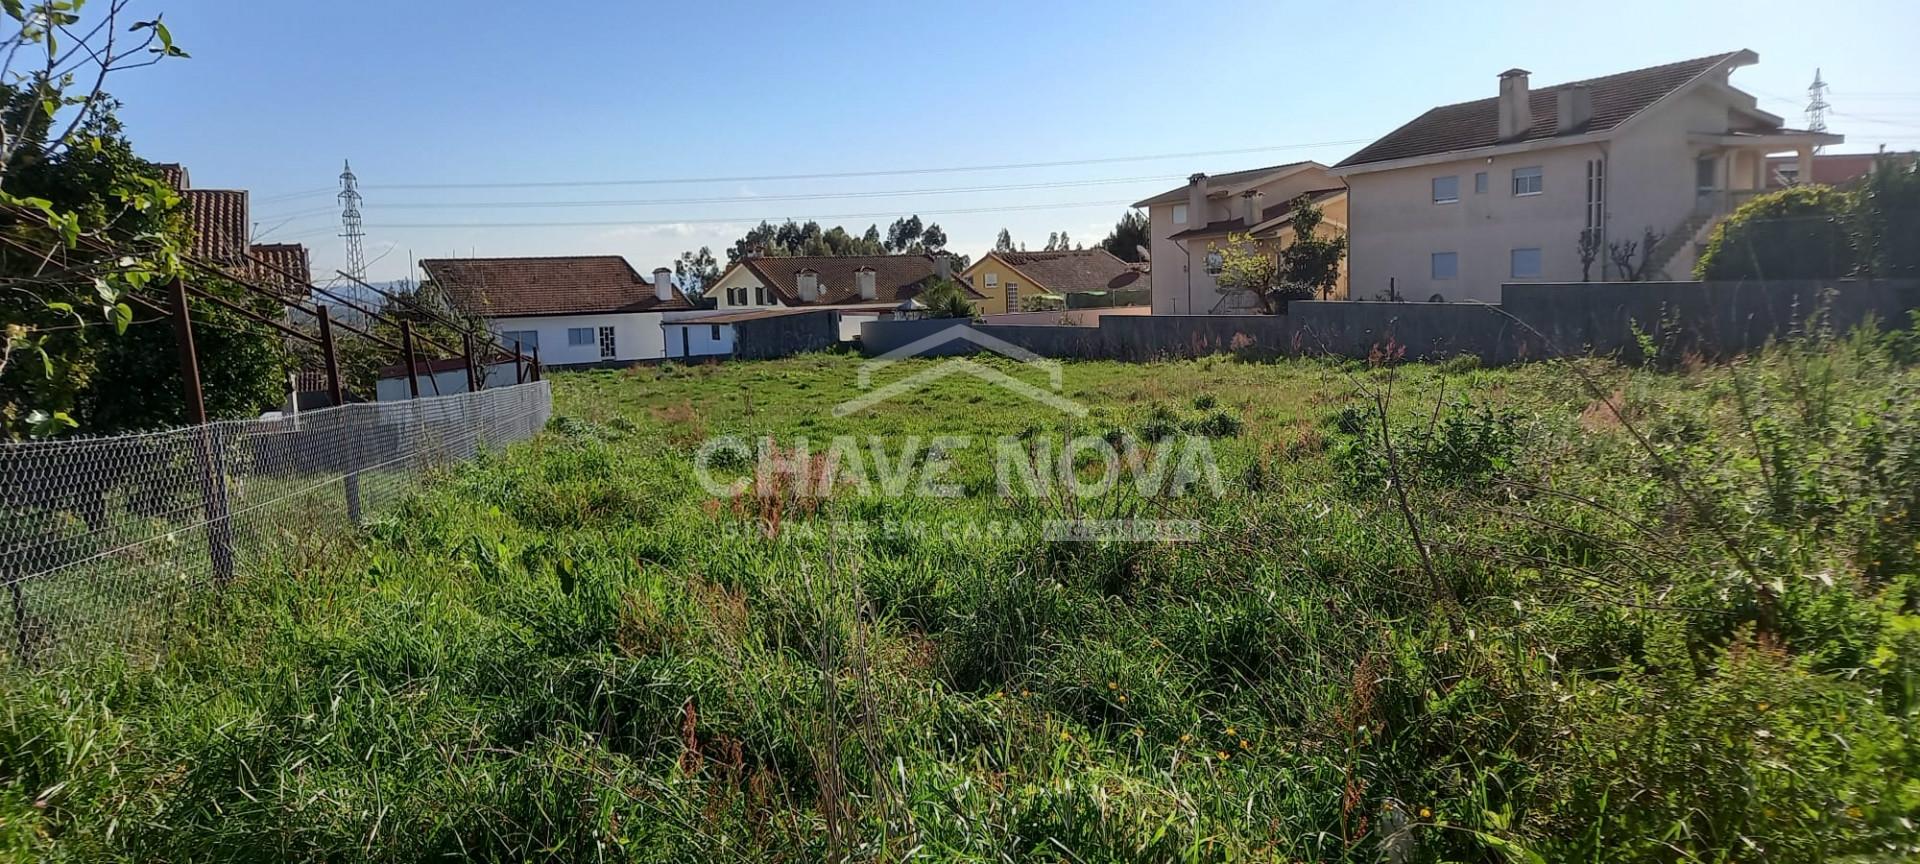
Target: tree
[
  {"x": 1245, "y": 268},
  {"x": 1311, "y": 263},
  {"x": 1630, "y": 258},
  {"x": 934, "y": 239},
  {"x": 1588, "y": 248},
  {"x": 1797, "y": 233},
  {"x": 1130, "y": 235},
  {"x": 697, "y": 270},
  {"x": 904, "y": 234},
  {"x": 1887, "y": 211},
  {"x": 1003, "y": 242},
  {"x": 945, "y": 298}
]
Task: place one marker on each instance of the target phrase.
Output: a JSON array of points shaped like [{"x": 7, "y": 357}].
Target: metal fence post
[
  {"x": 337, "y": 394},
  {"x": 406, "y": 348},
  {"x": 213, "y": 484},
  {"x": 473, "y": 374}
]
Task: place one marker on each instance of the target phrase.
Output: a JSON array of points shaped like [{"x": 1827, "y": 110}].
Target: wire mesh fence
[{"x": 102, "y": 539}]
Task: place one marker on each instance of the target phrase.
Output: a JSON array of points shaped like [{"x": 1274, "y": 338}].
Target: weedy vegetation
[{"x": 1570, "y": 611}]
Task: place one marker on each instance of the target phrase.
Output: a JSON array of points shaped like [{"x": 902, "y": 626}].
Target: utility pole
[
  {"x": 1816, "y": 110},
  {"x": 350, "y": 227}
]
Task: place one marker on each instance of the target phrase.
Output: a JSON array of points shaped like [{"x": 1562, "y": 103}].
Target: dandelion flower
[
  {"x": 1854, "y": 812},
  {"x": 1224, "y": 755},
  {"x": 1425, "y": 813},
  {"x": 1113, "y": 685},
  {"x": 1762, "y": 706},
  {"x": 1122, "y": 697},
  {"x": 1025, "y": 693},
  {"x": 1243, "y": 744},
  {"x": 1065, "y": 736},
  {"x": 1230, "y": 731},
  {"x": 1185, "y": 738}
]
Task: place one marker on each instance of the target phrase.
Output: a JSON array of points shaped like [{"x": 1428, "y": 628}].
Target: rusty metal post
[
  {"x": 473, "y": 372},
  {"x": 406, "y": 349},
  {"x": 533, "y": 371},
  {"x": 337, "y": 394},
  {"x": 519, "y": 364},
  {"x": 207, "y": 449}
]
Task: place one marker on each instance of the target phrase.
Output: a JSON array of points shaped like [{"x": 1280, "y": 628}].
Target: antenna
[
  {"x": 350, "y": 222},
  {"x": 1817, "y": 106}
]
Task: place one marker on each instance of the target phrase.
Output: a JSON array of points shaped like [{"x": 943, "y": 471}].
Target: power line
[
  {"x": 838, "y": 175},
  {"x": 1065, "y": 205},
  {"x": 809, "y": 196}
]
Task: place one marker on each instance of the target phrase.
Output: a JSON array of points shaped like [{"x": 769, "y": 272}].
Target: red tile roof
[
  {"x": 1218, "y": 182},
  {"x": 561, "y": 285},
  {"x": 218, "y": 220},
  {"x": 280, "y": 266},
  {"x": 1072, "y": 271},
  {"x": 174, "y": 173},
  {"x": 895, "y": 277},
  {"x": 1282, "y": 210},
  {"x": 1470, "y": 125}
]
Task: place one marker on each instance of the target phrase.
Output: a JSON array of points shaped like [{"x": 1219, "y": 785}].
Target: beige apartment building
[{"x": 1468, "y": 196}]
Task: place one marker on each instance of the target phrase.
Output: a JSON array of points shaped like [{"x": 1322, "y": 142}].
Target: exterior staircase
[{"x": 1688, "y": 235}]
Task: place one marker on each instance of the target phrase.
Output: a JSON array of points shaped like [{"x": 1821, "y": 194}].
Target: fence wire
[{"x": 102, "y": 540}]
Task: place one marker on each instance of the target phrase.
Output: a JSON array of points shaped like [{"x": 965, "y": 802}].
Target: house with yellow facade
[{"x": 1032, "y": 281}]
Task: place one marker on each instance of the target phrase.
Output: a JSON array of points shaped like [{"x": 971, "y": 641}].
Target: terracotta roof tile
[
  {"x": 561, "y": 285},
  {"x": 1070, "y": 272},
  {"x": 1470, "y": 125},
  {"x": 895, "y": 277},
  {"x": 280, "y": 266},
  {"x": 218, "y": 219}
]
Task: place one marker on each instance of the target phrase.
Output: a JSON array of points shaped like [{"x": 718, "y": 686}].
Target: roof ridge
[{"x": 1531, "y": 90}]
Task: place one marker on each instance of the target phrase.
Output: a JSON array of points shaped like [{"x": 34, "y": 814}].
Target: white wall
[
  {"x": 700, "y": 341},
  {"x": 850, "y": 324},
  {"x": 1181, "y": 284},
  {"x": 636, "y": 336},
  {"x": 445, "y": 383},
  {"x": 740, "y": 277}
]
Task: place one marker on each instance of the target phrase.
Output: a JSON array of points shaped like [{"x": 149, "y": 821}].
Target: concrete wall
[
  {"x": 1089, "y": 317},
  {"x": 690, "y": 338},
  {"x": 444, "y": 383},
  {"x": 786, "y": 335},
  {"x": 1535, "y": 321}
]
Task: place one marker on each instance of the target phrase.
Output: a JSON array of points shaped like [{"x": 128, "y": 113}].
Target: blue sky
[{"x": 278, "y": 93}]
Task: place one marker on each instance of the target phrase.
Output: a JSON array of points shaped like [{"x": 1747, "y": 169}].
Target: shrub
[{"x": 1797, "y": 233}]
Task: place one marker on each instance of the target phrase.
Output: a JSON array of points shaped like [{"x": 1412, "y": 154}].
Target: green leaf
[
  {"x": 14, "y": 10},
  {"x": 123, "y": 316}
]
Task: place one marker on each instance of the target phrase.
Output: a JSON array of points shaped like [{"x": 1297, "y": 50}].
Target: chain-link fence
[{"x": 102, "y": 539}]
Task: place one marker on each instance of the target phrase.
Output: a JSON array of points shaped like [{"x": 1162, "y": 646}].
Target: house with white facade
[
  {"x": 860, "y": 288},
  {"x": 1504, "y": 189},
  {"x": 577, "y": 310},
  {"x": 1188, "y": 224}
]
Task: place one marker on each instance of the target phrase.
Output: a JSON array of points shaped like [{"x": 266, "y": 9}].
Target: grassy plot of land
[{"x": 1650, "y": 615}]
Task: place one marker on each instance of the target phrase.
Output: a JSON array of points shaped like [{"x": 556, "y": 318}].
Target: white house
[
  {"x": 860, "y": 287},
  {"x": 582, "y": 310},
  {"x": 1465, "y": 197},
  {"x": 442, "y": 378},
  {"x": 1186, "y": 221}
]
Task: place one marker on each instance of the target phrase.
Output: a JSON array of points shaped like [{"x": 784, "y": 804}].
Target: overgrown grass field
[{"x": 1566, "y": 611}]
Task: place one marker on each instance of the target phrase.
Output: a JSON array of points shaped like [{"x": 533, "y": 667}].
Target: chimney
[
  {"x": 1197, "y": 201},
  {"x": 1516, "y": 115},
  {"x": 863, "y": 279},
  {"x": 1250, "y": 207},
  {"x": 662, "y": 284},
  {"x": 809, "y": 281},
  {"x": 942, "y": 266},
  {"x": 1575, "y": 108}
]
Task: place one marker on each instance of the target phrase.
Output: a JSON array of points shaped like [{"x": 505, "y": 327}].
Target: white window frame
[
  {"x": 1532, "y": 173},
  {"x": 993, "y": 280},
  {"x": 607, "y": 344},
  {"x": 1433, "y": 269},
  {"x": 579, "y": 336},
  {"x": 1434, "y": 188},
  {"x": 1179, "y": 214},
  {"x": 1013, "y": 296},
  {"x": 530, "y": 341},
  {"x": 1513, "y": 263}
]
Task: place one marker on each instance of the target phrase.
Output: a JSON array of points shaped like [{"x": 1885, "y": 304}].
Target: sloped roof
[
  {"x": 558, "y": 285},
  {"x": 280, "y": 266},
  {"x": 218, "y": 219},
  {"x": 1469, "y": 125},
  {"x": 1219, "y": 182},
  {"x": 895, "y": 277},
  {"x": 1070, "y": 271},
  {"x": 174, "y": 173},
  {"x": 1282, "y": 211}
]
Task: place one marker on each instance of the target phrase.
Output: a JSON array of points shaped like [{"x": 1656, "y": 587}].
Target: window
[
  {"x": 1527, "y": 181},
  {"x": 1215, "y": 263},
  {"x": 1446, "y": 190},
  {"x": 760, "y": 295},
  {"x": 1446, "y": 265},
  {"x": 577, "y": 336},
  {"x": 1596, "y": 194},
  {"x": 1179, "y": 214},
  {"x": 1480, "y": 183},
  {"x": 1013, "y": 296},
  {"x": 993, "y": 280},
  {"x": 606, "y": 341},
  {"x": 528, "y": 339},
  {"x": 1526, "y": 264},
  {"x": 716, "y": 332},
  {"x": 737, "y": 296}
]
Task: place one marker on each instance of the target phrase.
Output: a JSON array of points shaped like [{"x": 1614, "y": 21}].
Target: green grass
[{"x": 1685, "y": 630}]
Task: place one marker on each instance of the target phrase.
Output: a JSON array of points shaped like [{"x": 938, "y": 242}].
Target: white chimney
[
  {"x": 1575, "y": 106},
  {"x": 1197, "y": 201},
  {"x": 809, "y": 281},
  {"x": 863, "y": 279},
  {"x": 1250, "y": 207},
  {"x": 1516, "y": 114},
  {"x": 662, "y": 284},
  {"x": 942, "y": 265}
]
